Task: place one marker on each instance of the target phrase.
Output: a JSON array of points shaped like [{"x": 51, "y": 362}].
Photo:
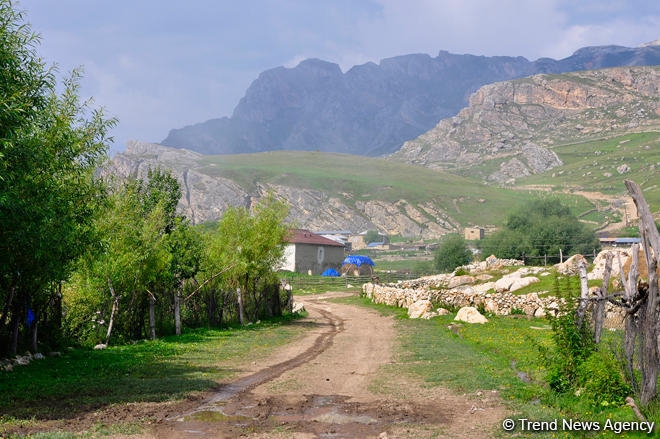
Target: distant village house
[
  {"x": 474, "y": 233},
  {"x": 308, "y": 252}
]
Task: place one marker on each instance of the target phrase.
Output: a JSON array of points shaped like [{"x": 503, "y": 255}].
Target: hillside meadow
[
  {"x": 602, "y": 165},
  {"x": 356, "y": 178}
]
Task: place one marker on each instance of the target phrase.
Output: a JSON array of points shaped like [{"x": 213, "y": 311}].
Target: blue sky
[{"x": 160, "y": 64}]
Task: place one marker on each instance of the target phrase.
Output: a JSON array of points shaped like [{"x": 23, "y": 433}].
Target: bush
[
  {"x": 601, "y": 380},
  {"x": 453, "y": 252},
  {"x": 573, "y": 345},
  {"x": 543, "y": 227}
]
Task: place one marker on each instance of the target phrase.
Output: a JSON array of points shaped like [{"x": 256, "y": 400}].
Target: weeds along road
[{"x": 335, "y": 383}]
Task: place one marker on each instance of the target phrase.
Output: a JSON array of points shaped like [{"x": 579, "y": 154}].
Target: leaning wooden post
[
  {"x": 584, "y": 292},
  {"x": 649, "y": 317},
  {"x": 631, "y": 327},
  {"x": 599, "y": 306}
]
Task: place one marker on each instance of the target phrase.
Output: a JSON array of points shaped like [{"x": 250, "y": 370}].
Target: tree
[
  {"x": 372, "y": 236},
  {"x": 50, "y": 146},
  {"x": 453, "y": 252},
  {"x": 247, "y": 248},
  {"x": 126, "y": 269},
  {"x": 543, "y": 227}
]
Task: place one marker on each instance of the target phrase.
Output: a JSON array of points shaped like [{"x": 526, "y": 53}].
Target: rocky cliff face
[
  {"x": 372, "y": 109},
  {"x": 518, "y": 122},
  {"x": 206, "y": 197}
]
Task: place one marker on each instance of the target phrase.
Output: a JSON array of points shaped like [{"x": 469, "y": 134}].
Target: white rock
[
  {"x": 417, "y": 309},
  {"x": 298, "y": 307},
  {"x": 101, "y": 346},
  {"x": 523, "y": 282},
  {"x": 470, "y": 314}
]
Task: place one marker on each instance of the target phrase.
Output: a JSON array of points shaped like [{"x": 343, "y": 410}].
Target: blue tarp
[
  {"x": 330, "y": 272},
  {"x": 358, "y": 260}
]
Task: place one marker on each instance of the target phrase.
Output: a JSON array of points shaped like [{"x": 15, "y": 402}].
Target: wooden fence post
[{"x": 649, "y": 314}]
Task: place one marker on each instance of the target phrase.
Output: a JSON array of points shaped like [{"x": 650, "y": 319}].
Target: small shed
[{"x": 308, "y": 252}]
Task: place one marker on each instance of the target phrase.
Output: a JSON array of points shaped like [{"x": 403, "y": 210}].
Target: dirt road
[{"x": 326, "y": 386}]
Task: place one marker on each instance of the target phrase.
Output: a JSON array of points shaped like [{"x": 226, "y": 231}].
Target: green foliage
[
  {"x": 573, "y": 344},
  {"x": 543, "y": 227},
  {"x": 247, "y": 248},
  {"x": 372, "y": 236},
  {"x": 452, "y": 252},
  {"x": 601, "y": 380},
  {"x": 51, "y": 145}
]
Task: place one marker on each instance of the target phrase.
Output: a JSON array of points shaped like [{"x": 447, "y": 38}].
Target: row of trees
[
  {"x": 151, "y": 271},
  {"x": 91, "y": 259},
  {"x": 541, "y": 229},
  {"x": 50, "y": 146}
]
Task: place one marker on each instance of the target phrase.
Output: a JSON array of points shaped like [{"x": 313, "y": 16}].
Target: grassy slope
[
  {"x": 357, "y": 178},
  {"x": 592, "y": 166}
]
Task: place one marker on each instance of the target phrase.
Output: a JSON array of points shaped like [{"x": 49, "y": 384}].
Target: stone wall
[{"x": 482, "y": 288}]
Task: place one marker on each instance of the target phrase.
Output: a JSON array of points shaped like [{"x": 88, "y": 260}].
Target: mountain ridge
[{"x": 372, "y": 109}]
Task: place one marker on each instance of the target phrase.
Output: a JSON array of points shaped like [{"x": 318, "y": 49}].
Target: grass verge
[
  {"x": 170, "y": 369},
  {"x": 501, "y": 355}
]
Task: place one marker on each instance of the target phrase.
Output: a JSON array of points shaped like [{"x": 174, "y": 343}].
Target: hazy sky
[{"x": 161, "y": 64}]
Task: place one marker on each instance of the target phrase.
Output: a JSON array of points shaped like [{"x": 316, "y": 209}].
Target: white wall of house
[{"x": 289, "y": 260}]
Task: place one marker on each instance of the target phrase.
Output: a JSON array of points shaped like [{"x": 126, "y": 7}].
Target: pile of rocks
[{"x": 8, "y": 364}]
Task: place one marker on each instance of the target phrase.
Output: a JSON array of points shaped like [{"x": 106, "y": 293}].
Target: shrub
[
  {"x": 453, "y": 252},
  {"x": 573, "y": 344},
  {"x": 602, "y": 380}
]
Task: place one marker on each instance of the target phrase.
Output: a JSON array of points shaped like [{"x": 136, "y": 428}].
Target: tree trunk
[
  {"x": 241, "y": 311},
  {"x": 115, "y": 306},
  {"x": 10, "y": 299},
  {"x": 35, "y": 344},
  {"x": 152, "y": 317},
  {"x": 599, "y": 307},
  {"x": 15, "y": 329},
  {"x": 177, "y": 313}
]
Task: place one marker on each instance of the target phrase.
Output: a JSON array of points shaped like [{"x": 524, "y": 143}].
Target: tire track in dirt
[
  {"x": 332, "y": 325},
  {"x": 322, "y": 386}
]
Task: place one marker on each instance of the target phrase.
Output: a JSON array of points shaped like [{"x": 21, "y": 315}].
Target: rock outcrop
[
  {"x": 206, "y": 194},
  {"x": 518, "y": 122}
]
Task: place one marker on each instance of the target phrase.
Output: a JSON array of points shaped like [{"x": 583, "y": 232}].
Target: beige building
[
  {"x": 474, "y": 233},
  {"x": 308, "y": 252}
]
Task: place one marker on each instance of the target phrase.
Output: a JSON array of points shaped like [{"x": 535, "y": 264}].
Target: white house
[{"x": 308, "y": 252}]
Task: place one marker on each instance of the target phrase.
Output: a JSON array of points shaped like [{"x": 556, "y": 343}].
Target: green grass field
[
  {"x": 466, "y": 359},
  {"x": 357, "y": 178}
]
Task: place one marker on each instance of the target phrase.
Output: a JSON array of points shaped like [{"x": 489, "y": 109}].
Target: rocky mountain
[
  {"x": 208, "y": 193},
  {"x": 435, "y": 184},
  {"x": 517, "y": 123},
  {"x": 372, "y": 109}
]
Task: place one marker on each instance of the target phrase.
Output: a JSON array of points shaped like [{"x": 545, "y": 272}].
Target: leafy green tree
[
  {"x": 130, "y": 260},
  {"x": 50, "y": 146},
  {"x": 246, "y": 248},
  {"x": 542, "y": 227},
  {"x": 185, "y": 246},
  {"x": 372, "y": 236},
  {"x": 452, "y": 252}
]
